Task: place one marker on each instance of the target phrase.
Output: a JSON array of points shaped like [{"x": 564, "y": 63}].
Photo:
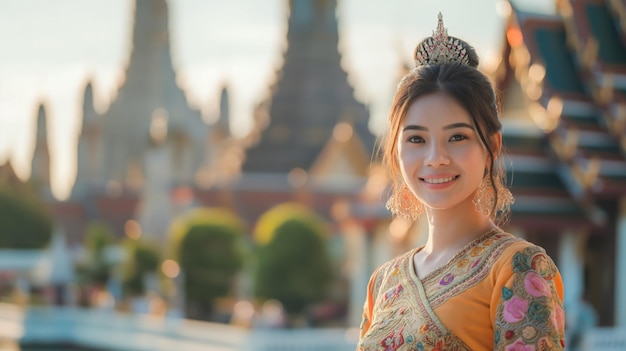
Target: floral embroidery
[
  {"x": 475, "y": 263},
  {"x": 463, "y": 263},
  {"x": 521, "y": 262},
  {"x": 400, "y": 319},
  {"x": 465, "y": 269},
  {"x": 447, "y": 279},
  {"x": 391, "y": 295},
  {"x": 541, "y": 265},
  {"x": 392, "y": 342},
  {"x": 506, "y": 293},
  {"x": 477, "y": 251},
  {"x": 557, "y": 317},
  {"x": 396, "y": 270},
  {"x": 402, "y": 310},
  {"x": 538, "y": 312},
  {"x": 529, "y": 332},
  {"x": 519, "y": 345},
  {"x": 536, "y": 285},
  {"x": 531, "y": 309},
  {"x": 546, "y": 344},
  {"x": 515, "y": 309},
  {"x": 529, "y": 315}
]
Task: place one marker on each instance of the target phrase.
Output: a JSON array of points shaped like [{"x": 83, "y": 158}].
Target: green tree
[
  {"x": 143, "y": 259},
  {"x": 209, "y": 249},
  {"x": 98, "y": 238},
  {"x": 25, "y": 223},
  {"x": 293, "y": 263}
]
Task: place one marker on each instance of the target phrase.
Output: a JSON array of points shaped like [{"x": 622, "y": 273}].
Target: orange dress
[{"x": 499, "y": 293}]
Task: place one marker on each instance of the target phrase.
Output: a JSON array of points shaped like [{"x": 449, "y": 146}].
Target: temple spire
[
  {"x": 222, "y": 125},
  {"x": 150, "y": 46},
  {"x": 89, "y": 158},
  {"x": 310, "y": 97},
  {"x": 40, "y": 167},
  {"x": 150, "y": 89}
]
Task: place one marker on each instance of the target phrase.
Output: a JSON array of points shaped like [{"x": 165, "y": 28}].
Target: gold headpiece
[{"x": 439, "y": 48}]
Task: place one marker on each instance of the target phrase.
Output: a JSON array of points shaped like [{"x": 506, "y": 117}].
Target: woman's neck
[{"x": 452, "y": 229}]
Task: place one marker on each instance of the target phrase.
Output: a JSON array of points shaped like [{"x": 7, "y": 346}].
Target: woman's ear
[{"x": 496, "y": 143}]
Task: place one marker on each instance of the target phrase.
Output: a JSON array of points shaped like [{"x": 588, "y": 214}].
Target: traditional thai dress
[{"x": 499, "y": 293}]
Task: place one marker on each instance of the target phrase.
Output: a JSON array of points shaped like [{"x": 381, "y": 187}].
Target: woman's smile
[
  {"x": 438, "y": 182},
  {"x": 437, "y": 145}
]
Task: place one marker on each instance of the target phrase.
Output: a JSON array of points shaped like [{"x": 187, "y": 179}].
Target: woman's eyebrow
[
  {"x": 414, "y": 127},
  {"x": 449, "y": 126},
  {"x": 458, "y": 125}
]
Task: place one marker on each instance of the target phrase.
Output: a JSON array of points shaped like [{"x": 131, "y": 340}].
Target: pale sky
[{"x": 49, "y": 48}]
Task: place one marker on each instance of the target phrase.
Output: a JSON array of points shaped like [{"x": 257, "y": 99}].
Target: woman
[{"x": 471, "y": 286}]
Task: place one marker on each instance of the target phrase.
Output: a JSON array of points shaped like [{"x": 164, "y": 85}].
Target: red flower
[{"x": 393, "y": 341}]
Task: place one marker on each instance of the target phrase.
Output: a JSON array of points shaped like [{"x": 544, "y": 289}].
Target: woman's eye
[
  {"x": 458, "y": 137},
  {"x": 415, "y": 139}
]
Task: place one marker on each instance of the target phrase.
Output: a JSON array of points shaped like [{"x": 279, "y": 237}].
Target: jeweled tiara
[{"x": 440, "y": 49}]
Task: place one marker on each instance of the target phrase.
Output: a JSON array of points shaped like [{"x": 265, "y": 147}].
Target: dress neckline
[{"x": 413, "y": 269}]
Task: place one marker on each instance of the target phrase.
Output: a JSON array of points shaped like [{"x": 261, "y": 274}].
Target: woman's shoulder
[
  {"x": 391, "y": 267},
  {"x": 393, "y": 263},
  {"x": 519, "y": 246},
  {"x": 522, "y": 255}
]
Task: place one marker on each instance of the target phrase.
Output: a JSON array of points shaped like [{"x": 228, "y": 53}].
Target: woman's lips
[{"x": 439, "y": 182}]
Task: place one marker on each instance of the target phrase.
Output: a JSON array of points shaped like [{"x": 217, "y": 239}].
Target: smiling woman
[{"x": 472, "y": 286}]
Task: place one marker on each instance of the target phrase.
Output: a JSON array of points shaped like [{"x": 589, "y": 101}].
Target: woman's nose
[{"x": 437, "y": 156}]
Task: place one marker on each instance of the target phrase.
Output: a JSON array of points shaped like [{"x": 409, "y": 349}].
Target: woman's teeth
[{"x": 439, "y": 180}]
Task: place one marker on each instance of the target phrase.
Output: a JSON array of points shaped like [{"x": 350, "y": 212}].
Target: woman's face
[{"x": 441, "y": 156}]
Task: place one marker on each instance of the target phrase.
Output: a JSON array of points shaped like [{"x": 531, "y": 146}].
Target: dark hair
[{"x": 472, "y": 90}]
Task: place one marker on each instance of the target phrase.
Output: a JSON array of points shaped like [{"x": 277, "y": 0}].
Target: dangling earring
[
  {"x": 405, "y": 204},
  {"x": 484, "y": 198}
]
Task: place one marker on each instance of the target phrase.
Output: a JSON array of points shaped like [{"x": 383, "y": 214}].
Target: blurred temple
[
  {"x": 150, "y": 156},
  {"x": 311, "y": 141},
  {"x": 562, "y": 80},
  {"x": 148, "y": 142}
]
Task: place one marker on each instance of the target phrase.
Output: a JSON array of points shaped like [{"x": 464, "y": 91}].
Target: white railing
[
  {"x": 114, "y": 331},
  {"x": 303, "y": 340}
]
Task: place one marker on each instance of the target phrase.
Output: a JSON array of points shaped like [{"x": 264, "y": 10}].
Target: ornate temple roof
[
  {"x": 310, "y": 97},
  {"x": 571, "y": 70},
  {"x": 148, "y": 94}
]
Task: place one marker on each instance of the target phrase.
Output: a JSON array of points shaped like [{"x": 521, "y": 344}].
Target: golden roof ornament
[{"x": 440, "y": 48}]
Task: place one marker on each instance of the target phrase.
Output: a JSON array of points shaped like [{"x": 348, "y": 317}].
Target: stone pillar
[
  {"x": 620, "y": 263},
  {"x": 571, "y": 262},
  {"x": 155, "y": 211},
  {"x": 571, "y": 265},
  {"x": 178, "y": 302}
]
